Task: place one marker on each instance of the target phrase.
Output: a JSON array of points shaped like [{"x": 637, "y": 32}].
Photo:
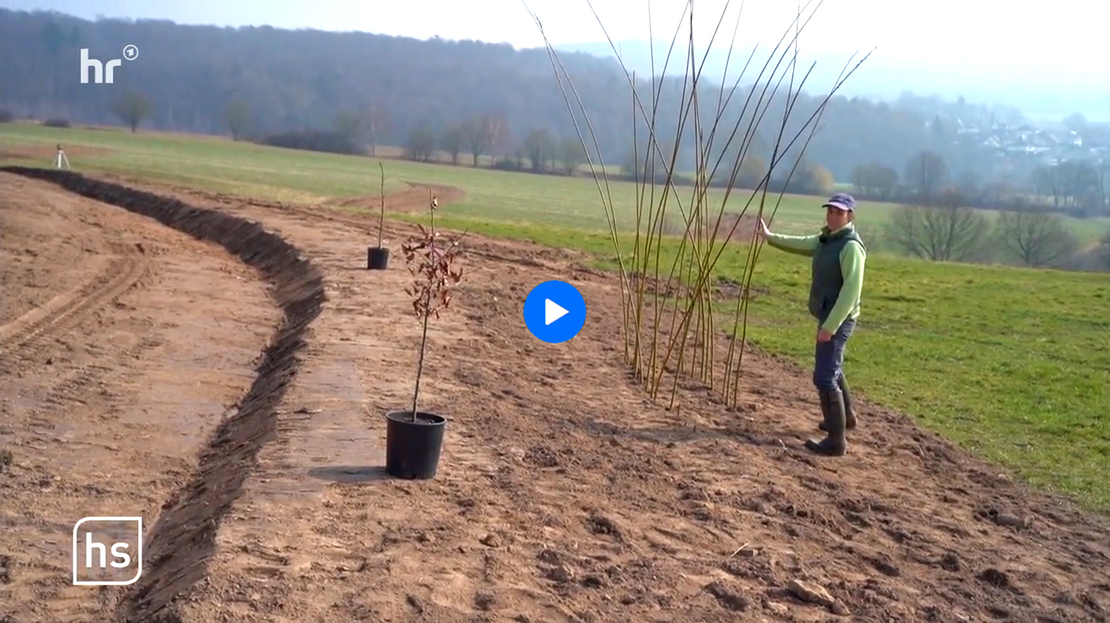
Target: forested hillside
[{"x": 421, "y": 94}]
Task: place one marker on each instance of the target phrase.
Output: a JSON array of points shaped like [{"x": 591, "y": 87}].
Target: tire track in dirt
[
  {"x": 73, "y": 387},
  {"x": 29, "y": 332},
  {"x": 183, "y": 538}
]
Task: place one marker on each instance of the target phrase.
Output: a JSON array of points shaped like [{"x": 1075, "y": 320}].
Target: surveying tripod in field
[{"x": 60, "y": 158}]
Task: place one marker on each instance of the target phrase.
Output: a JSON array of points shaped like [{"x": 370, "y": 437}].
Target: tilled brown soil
[
  {"x": 564, "y": 495},
  {"x": 123, "y": 345}
]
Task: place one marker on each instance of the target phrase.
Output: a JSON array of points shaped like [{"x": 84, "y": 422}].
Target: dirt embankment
[{"x": 184, "y": 536}]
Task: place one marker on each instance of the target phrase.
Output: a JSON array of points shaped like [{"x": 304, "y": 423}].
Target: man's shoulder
[{"x": 855, "y": 246}]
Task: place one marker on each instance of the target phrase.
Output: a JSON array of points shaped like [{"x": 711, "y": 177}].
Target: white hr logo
[{"x": 130, "y": 53}]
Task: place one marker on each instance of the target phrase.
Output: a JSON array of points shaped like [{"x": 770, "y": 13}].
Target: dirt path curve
[
  {"x": 565, "y": 496},
  {"x": 122, "y": 345}
]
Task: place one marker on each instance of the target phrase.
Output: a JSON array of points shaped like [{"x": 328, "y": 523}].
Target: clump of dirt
[
  {"x": 729, "y": 596},
  {"x": 600, "y": 524},
  {"x": 542, "y": 456}
]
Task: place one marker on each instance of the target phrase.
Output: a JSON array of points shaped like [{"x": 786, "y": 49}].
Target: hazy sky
[
  {"x": 1068, "y": 35},
  {"x": 1060, "y": 47}
]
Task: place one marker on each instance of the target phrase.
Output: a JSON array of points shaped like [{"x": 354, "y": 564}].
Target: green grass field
[
  {"x": 282, "y": 174},
  {"x": 1011, "y": 363},
  {"x": 219, "y": 164}
]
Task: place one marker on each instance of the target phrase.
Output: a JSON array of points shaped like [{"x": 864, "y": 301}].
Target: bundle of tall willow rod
[{"x": 669, "y": 326}]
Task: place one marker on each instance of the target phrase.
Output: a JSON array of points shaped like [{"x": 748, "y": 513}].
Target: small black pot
[
  {"x": 377, "y": 258},
  {"x": 412, "y": 448}
]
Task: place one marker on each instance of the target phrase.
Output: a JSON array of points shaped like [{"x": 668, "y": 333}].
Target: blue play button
[{"x": 554, "y": 311}]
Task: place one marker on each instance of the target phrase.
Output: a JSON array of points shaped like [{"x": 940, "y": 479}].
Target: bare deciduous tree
[
  {"x": 875, "y": 179},
  {"x": 1104, "y": 251},
  {"x": 1082, "y": 183},
  {"x": 451, "y": 140},
  {"x": 497, "y": 127},
  {"x": 1102, "y": 172},
  {"x": 1036, "y": 238},
  {"x": 236, "y": 116},
  {"x": 1047, "y": 183},
  {"x": 422, "y": 141},
  {"x": 477, "y": 135},
  {"x": 132, "y": 109},
  {"x": 350, "y": 125},
  {"x": 540, "y": 147},
  {"x": 927, "y": 173},
  {"x": 376, "y": 118},
  {"x": 571, "y": 154},
  {"x": 946, "y": 232}
]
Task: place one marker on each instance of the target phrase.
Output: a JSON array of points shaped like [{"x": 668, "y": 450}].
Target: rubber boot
[
  {"x": 849, "y": 412},
  {"x": 832, "y": 405}
]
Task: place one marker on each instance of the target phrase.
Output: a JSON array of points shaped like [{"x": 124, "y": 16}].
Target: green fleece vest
[{"x": 827, "y": 277}]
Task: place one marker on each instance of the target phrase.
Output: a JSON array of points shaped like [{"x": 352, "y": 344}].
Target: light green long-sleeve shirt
[{"x": 853, "y": 257}]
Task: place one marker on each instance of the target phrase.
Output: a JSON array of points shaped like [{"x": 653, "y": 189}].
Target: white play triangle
[{"x": 552, "y": 311}]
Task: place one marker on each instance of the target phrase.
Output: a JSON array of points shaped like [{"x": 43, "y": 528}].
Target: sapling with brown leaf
[{"x": 431, "y": 261}]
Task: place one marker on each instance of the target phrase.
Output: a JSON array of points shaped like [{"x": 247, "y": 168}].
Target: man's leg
[
  {"x": 828, "y": 358},
  {"x": 845, "y": 332},
  {"x": 849, "y": 409}
]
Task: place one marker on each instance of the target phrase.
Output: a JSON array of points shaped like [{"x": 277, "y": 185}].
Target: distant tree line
[
  {"x": 941, "y": 219},
  {"x": 948, "y": 228},
  {"x": 476, "y": 104},
  {"x": 1078, "y": 189},
  {"x": 263, "y": 84}
]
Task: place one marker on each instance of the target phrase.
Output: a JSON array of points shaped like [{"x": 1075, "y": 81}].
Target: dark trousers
[{"x": 829, "y": 357}]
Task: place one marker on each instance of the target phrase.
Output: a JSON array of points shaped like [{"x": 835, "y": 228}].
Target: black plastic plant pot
[
  {"x": 377, "y": 258},
  {"x": 412, "y": 448}
]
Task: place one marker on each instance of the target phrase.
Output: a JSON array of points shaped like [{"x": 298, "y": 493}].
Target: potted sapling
[
  {"x": 414, "y": 437},
  {"x": 377, "y": 258}
]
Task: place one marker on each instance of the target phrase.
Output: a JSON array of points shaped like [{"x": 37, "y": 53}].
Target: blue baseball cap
[{"x": 842, "y": 201}]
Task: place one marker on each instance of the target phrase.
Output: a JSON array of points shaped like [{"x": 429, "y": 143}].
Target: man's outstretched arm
[{"x": 798, "y": 245}]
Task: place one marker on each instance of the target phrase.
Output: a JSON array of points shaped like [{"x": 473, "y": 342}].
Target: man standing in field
[{"x": 838, "y": 260}]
